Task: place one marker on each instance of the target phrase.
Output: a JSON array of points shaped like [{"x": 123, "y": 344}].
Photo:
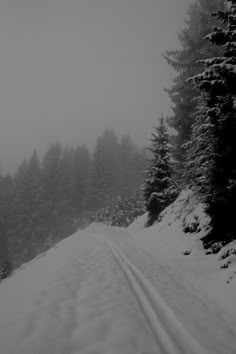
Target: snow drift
[{"x": 176, "y": 242}]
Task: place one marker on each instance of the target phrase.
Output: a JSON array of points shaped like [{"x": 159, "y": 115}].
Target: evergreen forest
[{"x": 195, "y": 147}]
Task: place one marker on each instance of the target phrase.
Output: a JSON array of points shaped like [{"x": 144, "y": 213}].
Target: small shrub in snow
[
  {"x": 191, "y": 223},
  {"x": 191, "y": 228},
  {"x": 225, "y": 265},
  {"x": 122, "y": 212},
  {"x": 227, "y": 253},
  {"x": 5, "y": 269},
  {"x": 186, "y": 253},
  {"x": 216, "y": 247}
]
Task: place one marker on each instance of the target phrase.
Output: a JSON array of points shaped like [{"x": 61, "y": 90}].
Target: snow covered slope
[
  {"x": 109, "y": 290},
  {"x": 176, "y": 242},
  {"x": 74, "y": 299}
]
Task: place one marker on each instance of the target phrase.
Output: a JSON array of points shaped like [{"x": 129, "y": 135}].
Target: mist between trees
[{"x": 44, "y": 201}]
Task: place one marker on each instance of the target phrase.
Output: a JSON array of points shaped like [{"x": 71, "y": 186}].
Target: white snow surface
[
  {"x": 167, "y": 242},
  {"x": 112, "y": 290}
]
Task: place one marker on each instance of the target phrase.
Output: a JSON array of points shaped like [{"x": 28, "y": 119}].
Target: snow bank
[
  {"x": 176, "y": 242},
  {"x": 138, "y": 224}
]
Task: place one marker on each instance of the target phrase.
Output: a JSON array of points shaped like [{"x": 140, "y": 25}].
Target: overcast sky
[{"x": 70, "y": 68}]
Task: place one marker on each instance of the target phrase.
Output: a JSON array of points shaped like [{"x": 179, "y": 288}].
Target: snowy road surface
[{"x": 99, "y": 292}]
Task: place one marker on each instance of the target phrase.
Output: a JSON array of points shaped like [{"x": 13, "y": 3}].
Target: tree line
[
  {"x": 40, "y": 203},
  {"x": 202, "y": 154}
]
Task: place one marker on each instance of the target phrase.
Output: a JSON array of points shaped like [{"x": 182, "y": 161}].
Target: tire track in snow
[{"x": 170, "y": 334}]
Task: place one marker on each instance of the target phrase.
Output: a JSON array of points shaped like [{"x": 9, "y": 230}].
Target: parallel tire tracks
[{"x": 170, "y": 334}]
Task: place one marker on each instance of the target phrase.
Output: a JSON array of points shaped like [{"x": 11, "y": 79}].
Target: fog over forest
[
  {"x": 117, "y": 176},
  {"x": 70, "y": 69}
]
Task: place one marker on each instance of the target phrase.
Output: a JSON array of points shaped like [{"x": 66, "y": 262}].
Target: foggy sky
[{"x": 70, "y": 68}]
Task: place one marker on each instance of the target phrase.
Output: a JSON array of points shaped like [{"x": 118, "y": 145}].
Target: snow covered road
[
  {"x": 98, "y": 292},
  {"x": 171, "y": 336}
]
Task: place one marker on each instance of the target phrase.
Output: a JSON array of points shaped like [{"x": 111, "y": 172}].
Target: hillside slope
[
  {"x": 111, "y": 290},
  {"x": 176, "y": 242}
]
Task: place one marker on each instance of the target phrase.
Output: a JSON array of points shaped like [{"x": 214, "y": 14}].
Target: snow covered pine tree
[
  {"x": 218, "y": 95},
  {"x": 185, "y": 62},
  {"x": 159, "y": 188}
]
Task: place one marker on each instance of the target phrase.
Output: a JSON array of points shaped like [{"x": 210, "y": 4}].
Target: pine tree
[
  {"x": 27, "y": 229},
  {"x": 52, "y": 177},
  {"x": 184, "y": 61},
  {"x": 132, "y": 165},
  {"x": 56, "y": 186},
  {"x": 81, "y": 168},
  {"x": 217, "y": 85},
  {"x": 6, "y": 197},
  {"x": 200, "y": 151},
  {"x": 67, "y": 177},
  {"x": 34, "y": 198},
  {"x": 159, "y": 188},
  {"x": 104, "y": 179},
  {"x": 17, "y": 235}
]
